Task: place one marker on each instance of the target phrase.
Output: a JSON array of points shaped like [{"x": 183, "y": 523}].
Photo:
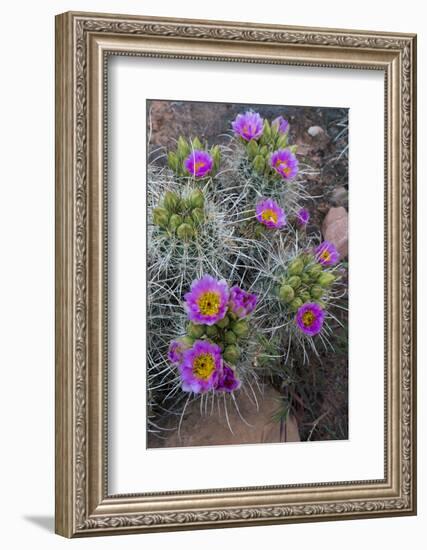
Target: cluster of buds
[
  {"x": 193, "y": 159},
  {"x": 180, "y": 216},
  {"x": 267, "y": 144},
  {"x": 306, "y": 281},
  {"x": 208, "y": 353}
]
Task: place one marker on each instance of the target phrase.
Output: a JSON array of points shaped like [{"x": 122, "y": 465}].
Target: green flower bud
[
  {"x": 185, "y": 232},
  {"x": 187, "y": 341},
  {"x": 296, "y": 267},
  {"x": 173, "y": 161},
  {"x": 315, "y": 270},
  {"x": 316, "y": 292},
  {"x": 252, "y": 149},
  {"x": 195, "y": 331},
  {"x": 294, "y": 149},
  {"x": 295, "y": 304},
  {"x": 196, "y": 199},
  {"x": 240, "y": 328},
  {"x": 294, "y": 282},
  {"x": 216, "y": 155},
  {"x": 305, "y": 278},
  {"x": 183, "y": 148},
  {"x": 259, "y": 163},
  {"x": 282, "y": 141},
  {"x": 230, "y": 337},
  {"x": 197, "y": 144},
  {"x": 174, "y": 222},
  {"x": 266, "y": 134},
  {"x": 171, "y": 201},
  {"x": 224, "y": 322},
  {"x": 305, "y": 296},
  {"x": 326, "y": 279},
  {"x": 160, "y": 217},
  {"x": 286, "y": 293},
  {"x": 231, "y": 354},
  {"x": 211, "y": 331},
  {"x": 263, "y": 151},
  {"x": 198, "y": 216},
  {"x": 321, "y": 304}
]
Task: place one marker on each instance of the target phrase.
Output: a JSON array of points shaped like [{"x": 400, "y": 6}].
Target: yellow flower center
[
  {"x": 325, "y": 255},
  {"x": 282, "y": 166},
  {"x": 209, "y": 303},
  {"x": 203, "y": 366},
  {"x": 198, "y": 165},
  {"x": 269, "y": 215},
  {"x": 308, "y": 318}
]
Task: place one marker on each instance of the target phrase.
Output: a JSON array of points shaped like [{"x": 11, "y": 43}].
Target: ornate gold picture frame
[{"x": 84, "y": 42}]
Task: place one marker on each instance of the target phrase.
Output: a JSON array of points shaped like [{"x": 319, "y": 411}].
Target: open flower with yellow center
[
  {"x": 327, "y": 254},
  {"x": 285, "y": 163},
  {"x": 199, "y": 163},
  {"x": 201, "y": 367},
  {"x": 269, "y": 213},
  {"x": 207, "y": 301},
  {"x": 248, "y": 126},
  {"x": 309, "y": 318}
]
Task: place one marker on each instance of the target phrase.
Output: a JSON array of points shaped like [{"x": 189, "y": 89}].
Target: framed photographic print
[{"x": 235, "y": 274}]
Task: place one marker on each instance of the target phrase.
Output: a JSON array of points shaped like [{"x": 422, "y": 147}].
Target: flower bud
[
  {"x": 305, "y": 278},
  {"x": 286, "y": 293},
  {"x": 316, "y": 292},
  {"x": 326, "y": 279},
  {"x": 230, "y": 337},
  {"x": 174, "y": 222},
  {"x": 259, "y": 163},
  {"x": 185, "y": 232},
  {"x": 183, "y": 148},
  {"x": 195, "y": 331},
  {"x": 173, "y": 161},
  {"x": 198, "y": 216},
  {"x": 240, "y": 328},
  {"x": 231, "y": 354},
  {"x": 252, "y": 149},
  {"x": 186, "y": 341},
  {"x": 160, "y": 217},
  {"x": 263, "y": 151},
  {"x": 223, "y": 323},
  {"x": 296, "y": 267},
  {"x": 266, "y": 134},
  {"x": 295, "y": 304},
  {"x": 196, "y": 199},
  {"x": 197, "y": 144},
  {"x": 294, "y": 282},
  {"x": 315, "y": 270},
  {"x": 211, "y": 331},
  {"x": 294, "y": 149},
  {"x": 282, "y": 141},
  {"x": 216, "y": 155},
  {"x": 171, "y": 201},
  {"x": 305, "y": 296}
]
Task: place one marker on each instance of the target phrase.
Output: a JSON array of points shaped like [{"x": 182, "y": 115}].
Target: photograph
[{"x": 247, "y": 273}]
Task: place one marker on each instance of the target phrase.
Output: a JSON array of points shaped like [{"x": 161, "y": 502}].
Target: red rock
[
  {"x": 211, "y": 427},
  {"x": 335, "y": 229}
]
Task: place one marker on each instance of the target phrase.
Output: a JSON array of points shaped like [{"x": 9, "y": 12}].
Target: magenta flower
[
  {"x": 199, "y": 163},
  {"x": 248, "y": 126},
  {"x": 281, "y": 124},
  {"x": 270, "y": 214},
  {"x": 303, "y": 216},
  {"x": 176, "y": 350},
  {"x": 201, "y": 367},
  {"x": 228, "y": 380},
  {"x": 207, "y": 301},
  {"x": 309, "y": 318},
  {"x": 285, "y": 163},
  {"x": 242, "y": 303},
  {"x": 327, "y": 254}
]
